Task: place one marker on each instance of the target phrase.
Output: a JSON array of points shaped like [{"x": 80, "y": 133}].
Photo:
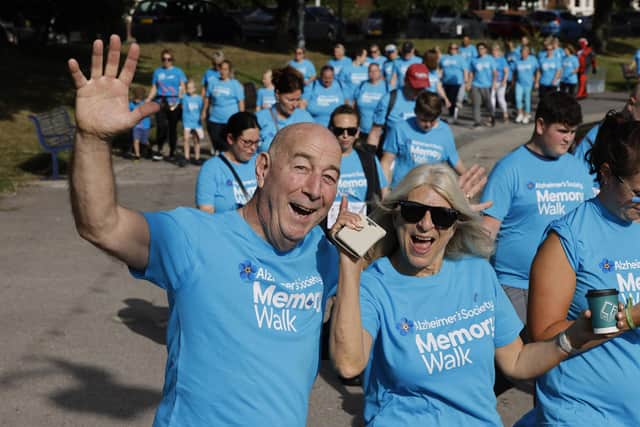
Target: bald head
[{"x": 300, "y": 135}]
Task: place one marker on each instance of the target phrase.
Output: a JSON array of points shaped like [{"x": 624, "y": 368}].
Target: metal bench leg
[{"x": 54, "y": 165}]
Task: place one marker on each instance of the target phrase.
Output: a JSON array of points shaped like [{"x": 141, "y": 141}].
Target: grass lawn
[{"x": 36, "y": 80}]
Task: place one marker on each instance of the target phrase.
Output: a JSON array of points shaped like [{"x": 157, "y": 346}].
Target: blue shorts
[{"x": 141, "y": 134}]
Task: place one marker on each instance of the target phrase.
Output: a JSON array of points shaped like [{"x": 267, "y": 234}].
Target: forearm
[
  {"x": 535, "y": 359},
  {"x": 346, "y": 343},
  {"x": 152, "y": 93},
  {"x": 374, "y": 136}
]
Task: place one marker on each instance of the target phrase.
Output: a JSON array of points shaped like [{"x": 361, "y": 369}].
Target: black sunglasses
[
  {"x": 337, "y": 131},
  {"x": 413, "y": 212}
]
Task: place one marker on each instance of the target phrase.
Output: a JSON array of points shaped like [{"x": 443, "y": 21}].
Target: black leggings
[
  {"x": 569, "y": 88},
  {"x": 167, "y": 121},
  {"x": 452, "y": 93}
]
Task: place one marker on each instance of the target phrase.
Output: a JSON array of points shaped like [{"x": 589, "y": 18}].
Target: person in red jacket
[{"x": 587, "y": 60}]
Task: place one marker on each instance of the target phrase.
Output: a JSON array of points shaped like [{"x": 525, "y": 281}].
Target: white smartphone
[{"x": 358, "y": 242}]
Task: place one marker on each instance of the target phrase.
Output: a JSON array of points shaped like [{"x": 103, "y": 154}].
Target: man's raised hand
[{"x": 102, "y": 102}]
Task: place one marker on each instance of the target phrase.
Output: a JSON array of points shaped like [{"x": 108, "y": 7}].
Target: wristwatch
[{"x": 563, "y": 343}]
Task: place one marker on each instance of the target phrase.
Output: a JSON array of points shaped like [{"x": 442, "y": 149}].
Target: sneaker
[
  {"x": 156, "y": 157},
  {"x": 519, "y": 118},
  {"x": 182, "y": 162},
  {"x": 490, "y": 123},
  {"x": 476, "y": 125},
  {"x": 171, "y": 158},
  {"x": 526, "y": 119},
  {"x": 197, "y": 162},
  {"x": 505, "y": 118},
  {"x": 136, "y": 159}
]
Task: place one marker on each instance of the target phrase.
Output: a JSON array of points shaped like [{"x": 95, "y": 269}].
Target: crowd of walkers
[{"x": 455, "y": 292}]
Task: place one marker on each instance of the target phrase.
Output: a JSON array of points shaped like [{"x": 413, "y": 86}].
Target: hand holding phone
[{"x": 354, "y": 233}]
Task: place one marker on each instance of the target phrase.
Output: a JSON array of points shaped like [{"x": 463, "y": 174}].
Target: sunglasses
[
  {"x": 167, "y": 59},
  {"x": 413, "y": 212},
  {"x": 339, "y": 131}
]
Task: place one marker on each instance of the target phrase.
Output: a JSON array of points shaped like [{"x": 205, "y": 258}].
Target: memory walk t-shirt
[
  {"x": 528, "y": 192},
  {"x": 305, "y": 67},
  {"x": 434, "y": 341},
  {"x": 482, "y": 68},
  {"x": 548, "y": 69},
  {"x": 501, "y": 64},
  {"x": 351, "y": 77},
  {"x": 569, "y": 65},
  {"x": 321, "y": 101},
  {"x": 266, "y": 97},
  {"x": 167, "y": 82},
  {"x": 244, "y": 319},
  {"x": 353, "y": 184},
  {"x": 597, "y": 387},
  {"x": 218, "y": 187},
  {"x": 525, "y": 70},
  {"x": 468, "y": 52},
  {"x": 367, "y": 97},
  {"x": 387, "y": 69},
  {"x": 270, "y": 126},
  {"x": 339, "y": 64},
  {"x": 210, "y": 73},
  {"x": 191, "y": 109},
  {"x": 402, "y": 109},
  {"x": 224, "y": 96},
  {"x": 453, "y": 67},
  {"x": 434, "y": 79},
  {"x": 413, "y": 146},
  {"x": 401, "y": 66}
]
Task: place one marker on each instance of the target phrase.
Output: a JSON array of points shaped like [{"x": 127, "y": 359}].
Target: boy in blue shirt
[
  {"x": 192, "y": 105},
  {"x": 531, "y": 186},
  {"x": 140, "y": 131}
]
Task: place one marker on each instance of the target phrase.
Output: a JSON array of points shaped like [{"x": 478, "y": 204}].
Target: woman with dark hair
[
  {"x": 593, "y": 247},
  {"x": 228, "y": 180},
  {"x": 288, "y": 84},
  {"x": 167, "y": 87},
  {"x": 225, "y": 96},
  {"x": 428, "y": 317}
]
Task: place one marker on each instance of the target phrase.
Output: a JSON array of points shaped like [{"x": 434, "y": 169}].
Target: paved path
[{"x": 81, "y": 342}]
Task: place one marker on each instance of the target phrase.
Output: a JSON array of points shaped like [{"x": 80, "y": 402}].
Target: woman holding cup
[
  {"x": 428, "y": 318},
  {"x": 589, "y": 256}
]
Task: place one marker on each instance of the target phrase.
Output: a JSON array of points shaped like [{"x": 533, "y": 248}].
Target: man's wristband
[
  {"x": 627, "y": 313},
  {"x": 563, "y": 343}
]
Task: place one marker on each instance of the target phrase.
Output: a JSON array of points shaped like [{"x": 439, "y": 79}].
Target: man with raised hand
[{"x": 246, "y": 288}]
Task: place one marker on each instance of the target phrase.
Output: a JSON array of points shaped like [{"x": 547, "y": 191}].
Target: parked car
[
  {"x": 260, "y": 23},
  {"x": 453, "y": 24},
  {"x": 559, "y": 23},
  {"x": 182, "y": 20},
  {"x": 509, "y": 25},
  {"x": 319, "y": 24}
]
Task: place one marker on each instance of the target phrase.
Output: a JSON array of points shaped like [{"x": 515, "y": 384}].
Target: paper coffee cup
[{"x": 603, "y": 304}]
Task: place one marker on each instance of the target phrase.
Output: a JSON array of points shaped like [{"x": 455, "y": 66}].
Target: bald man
[{"x": 246, "y": 288}]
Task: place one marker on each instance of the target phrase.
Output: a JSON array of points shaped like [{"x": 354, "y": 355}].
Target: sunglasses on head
[
  {"x": 337, "y": 131},
  {"x": 413, "y": 212}
]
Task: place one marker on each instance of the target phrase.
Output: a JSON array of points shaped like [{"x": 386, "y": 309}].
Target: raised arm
[{"x": 101, "y": 113}]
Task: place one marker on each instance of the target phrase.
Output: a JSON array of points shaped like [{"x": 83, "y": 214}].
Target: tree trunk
[{"x": 600, "y": 28}]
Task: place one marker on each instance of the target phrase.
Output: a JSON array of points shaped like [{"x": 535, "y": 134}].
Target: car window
[{"x": 444, "y": 13}]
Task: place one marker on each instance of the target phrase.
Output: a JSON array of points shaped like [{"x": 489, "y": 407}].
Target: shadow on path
[{"x": 145, "y": 318}]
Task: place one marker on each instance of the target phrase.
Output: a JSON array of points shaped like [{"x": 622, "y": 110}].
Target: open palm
[{"x": 102, "y": 103}]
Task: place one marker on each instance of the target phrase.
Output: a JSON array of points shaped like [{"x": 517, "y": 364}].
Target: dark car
[
  {"x": 182, "y": 20},
  {"x": 509, "y": 25},
  {"x": 319, "y": 24},
  {"x": 558, "y": 23},
  {"x": 259, "y": 23},
  {"x": 454, "y": 24}
]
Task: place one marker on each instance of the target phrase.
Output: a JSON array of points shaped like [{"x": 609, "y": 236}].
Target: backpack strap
[
  {"x": 370, "y": 170},
  {"x": 235, "y": 175}
]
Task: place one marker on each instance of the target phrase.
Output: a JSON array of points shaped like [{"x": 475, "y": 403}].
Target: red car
[{"x": 509, "y": 25}]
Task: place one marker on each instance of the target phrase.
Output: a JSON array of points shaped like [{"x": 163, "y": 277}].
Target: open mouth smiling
[{"x": 301, "y": 210}]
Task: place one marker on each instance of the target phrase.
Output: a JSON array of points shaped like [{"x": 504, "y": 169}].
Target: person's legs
[
  {"x": 494, "y": 96},
  {"x": 519, "y": 102},
  {"x": 185, "y": 143},
  {"x": 476, "y": 99},
  {"x": 502, "y": 102},
  {"x": 452, "y": 94},
  {"x": 163, "y": 124},
  {"x": 527, "y": 104},
  {"x": 572, "y": 89},
  {"x": 199, "y": 134},
  {"x": 486, "y": 101},
  {"x": 582, "y": 86},
  {"x": 217, "y": 136},
  {"x": 173, "y": 118}
]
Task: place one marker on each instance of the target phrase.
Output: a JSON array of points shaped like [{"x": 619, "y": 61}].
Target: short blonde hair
[{"x": 469, "y": 238}]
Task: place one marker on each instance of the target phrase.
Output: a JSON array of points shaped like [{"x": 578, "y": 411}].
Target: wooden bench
[
  {"x": 629, "y": 74},
  {"x": 55, "y": 133}
]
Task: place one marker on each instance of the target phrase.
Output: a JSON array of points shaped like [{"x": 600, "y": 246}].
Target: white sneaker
[
  {"x": 526, "y": 119},
  {"x": 519, "y": 118}
]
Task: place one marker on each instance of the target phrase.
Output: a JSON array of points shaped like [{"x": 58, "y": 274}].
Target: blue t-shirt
[
  {"x": 400, "y": 68},
  {"x": 380, "y": 60},
  {"x": 412, "y": 147},
  {"x": 305, "y": 67},
  {"x": 512, "y": 58},
  {"x": 518, "y": 51},
  {"x": 244, "y": 319},
  {"x": 387, "y": 69},
  {"x": 482, "y": 68},
  {"x": 218, "y": 187},
  {"x": 353, "y": 182},
  {"x": 596, "y": 387},
  {"x": 585, "y": 145},
  {"x": 569, "y": 65},
  {"x": 529, "y": 191},
  {"x": 501, "y": 64},
  {"x": 526, "y": 69},
  {"x": 144, "y": 123},
  {"x": 402, "y": 109},
  {"x": 548, "y": 69},
  {"x": 224, "y": 96},
  {"x": 434, "y": 341},
  {"x": 266, "y": 97},
  {"x": 270, "y": 126},
  {"x": 321, "y": 101},
  {"x": 167, "y": 82},
  {"x": 434, "y": 79},
  {"x": 468, "y": 53},
  {"x": 209, "y": 74},
  {"x": 351, "y": 77},
  {"x": 367, "y": 97},
  {"x": 191, "y": 109},
  {"x": 339, "y": 64},
  {"x": 453, "y": 67},
  {"x": 636, "y": 58}
]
